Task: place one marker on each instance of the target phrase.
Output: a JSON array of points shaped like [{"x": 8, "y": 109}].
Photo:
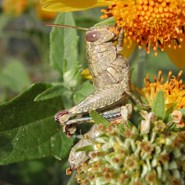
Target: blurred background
[{"x": 24, "y": 59}]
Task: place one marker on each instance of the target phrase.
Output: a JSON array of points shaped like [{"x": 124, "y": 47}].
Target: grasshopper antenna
[{"x": 64, "y": 26}]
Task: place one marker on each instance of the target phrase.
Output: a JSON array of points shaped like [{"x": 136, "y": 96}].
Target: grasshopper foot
[
  {"x": 62, "y": 116},
  {"x": 69, "y": 130}
]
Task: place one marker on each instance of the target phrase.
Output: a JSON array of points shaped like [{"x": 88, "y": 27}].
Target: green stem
[{"x": 141, "y": 60}]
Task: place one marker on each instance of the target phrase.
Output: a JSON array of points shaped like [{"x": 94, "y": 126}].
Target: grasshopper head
[{"x": 99, "y": 34}]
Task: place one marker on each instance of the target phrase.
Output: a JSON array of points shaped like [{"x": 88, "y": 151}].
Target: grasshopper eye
[{"x": 92, "y": 36}]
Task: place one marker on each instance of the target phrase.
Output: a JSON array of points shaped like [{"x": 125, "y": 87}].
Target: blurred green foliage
[{"x": 28, "y": 130}]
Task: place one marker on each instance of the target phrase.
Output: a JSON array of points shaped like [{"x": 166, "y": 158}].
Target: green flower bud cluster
[{"x": 126, "y": 155}]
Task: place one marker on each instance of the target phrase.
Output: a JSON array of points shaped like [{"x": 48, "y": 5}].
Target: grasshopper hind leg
[{"x": 98, "y": 100}]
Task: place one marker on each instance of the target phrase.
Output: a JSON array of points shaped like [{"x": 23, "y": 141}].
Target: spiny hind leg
[{"x": 101, "y": 98}]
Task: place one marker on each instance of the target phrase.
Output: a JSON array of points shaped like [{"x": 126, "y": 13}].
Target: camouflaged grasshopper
[
  {"x": 110, "y": 72},
  {"x": 111, "y": 79}
]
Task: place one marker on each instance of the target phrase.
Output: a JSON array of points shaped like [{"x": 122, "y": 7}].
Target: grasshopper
[
  {"x": 111, "y": 80},
  {"x": 110, "y": 72}
]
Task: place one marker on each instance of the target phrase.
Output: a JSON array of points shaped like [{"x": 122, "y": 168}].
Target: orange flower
[
  {"x": 18, "y": 7},
  {"x": 14, "y": 7},
  {"x": 173, "y": 88},
  {"x": 150, "y": 23}
]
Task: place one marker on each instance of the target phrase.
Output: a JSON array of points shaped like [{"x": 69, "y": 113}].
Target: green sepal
[
  {"x": 158, "y": 106},
  {"x": 87, "y": 148},
  {"x": 167, "y": 115},
  {"x": 99, "y": 119},
  {"x": 174, "y": 128}
]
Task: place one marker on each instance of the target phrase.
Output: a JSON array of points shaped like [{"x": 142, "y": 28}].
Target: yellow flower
[
  {"x": 71, "y": 5},
  {"x": 42, "y": 14},
  {"x": 150, "y": 23},
  {"x": 86, "y": 74},
  {"x": 173, "y": 88}
]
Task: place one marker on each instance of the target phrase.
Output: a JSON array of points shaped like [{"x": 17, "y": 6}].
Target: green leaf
[
  {"x": 14, "y": 76},
  {"x": 4, "y": 20},
  {"x": 85, "y": 89},
  {"x": 158, "y": 106},
  {"x": 183, "y": 113},
  {"x": 28, "y": 130},
  {"x": 99, "y": 119},
  {"x": 72, "y": 77},
  {"x": 67, "y": 98},
  {"x": 110, "y": 21},
  {"x": 50, "y": 93},
  {"x": 63, "y": 44},
  {"x": 167, "y": 115}
]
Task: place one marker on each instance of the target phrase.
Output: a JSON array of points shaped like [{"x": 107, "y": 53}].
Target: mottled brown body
[
  {"x": 109, "y": 69},
  {"x": 106, "y": 65},
  {"x": 110, "y": 72},
  {"x": 111, "y": 79}
]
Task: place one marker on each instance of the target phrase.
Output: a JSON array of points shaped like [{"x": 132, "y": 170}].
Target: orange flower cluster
[
  {"x": 173, "y": 88},
  {"x": 152, "y": 23}
]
